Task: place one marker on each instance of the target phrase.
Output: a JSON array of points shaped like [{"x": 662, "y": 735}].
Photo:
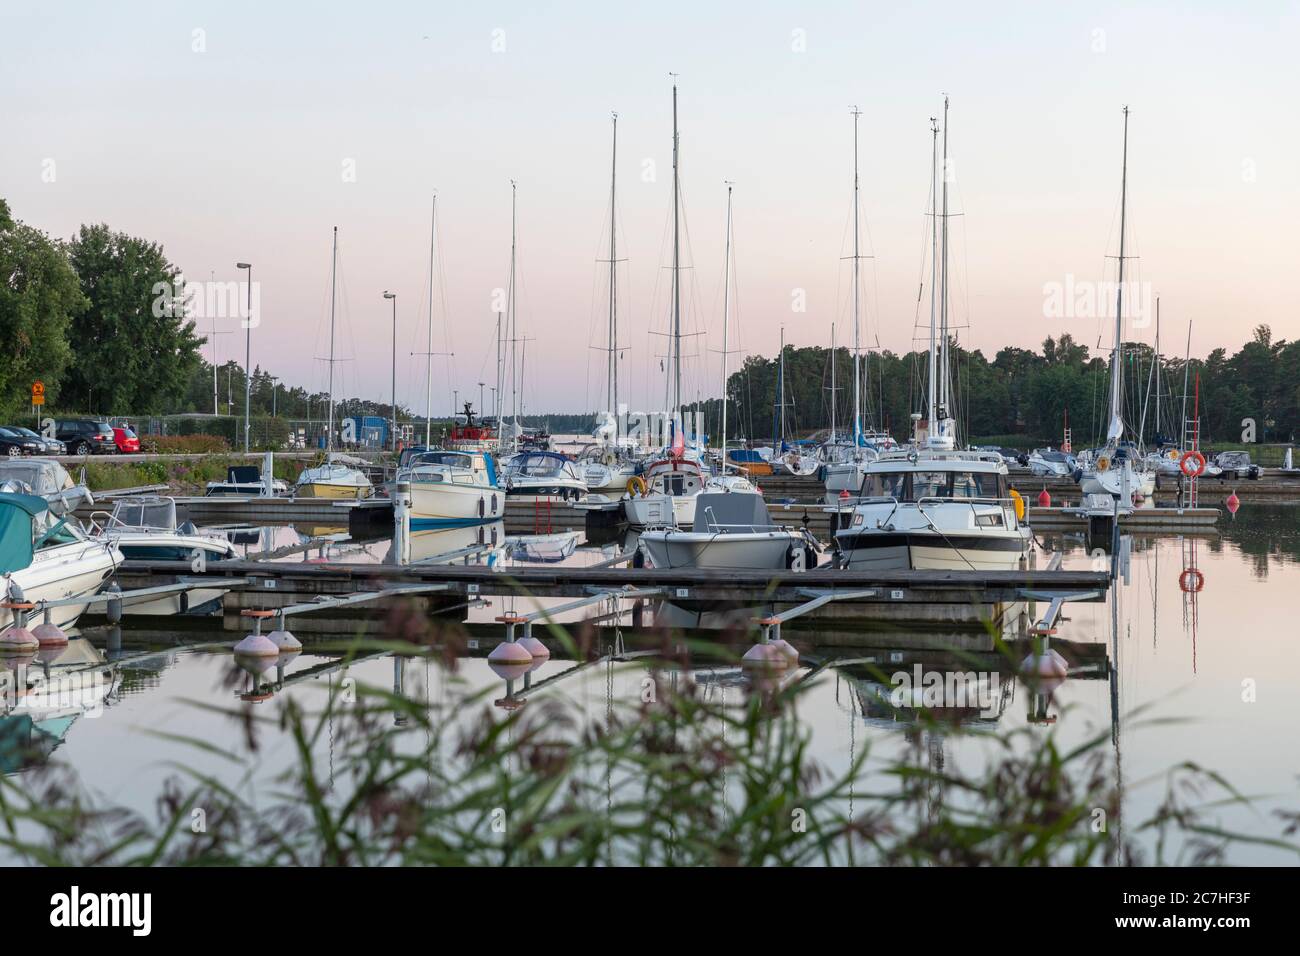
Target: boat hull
[
  {"x": 657, "y": 511},
  {"x": 759, "y": 551},
  {"x": 66, "y": 571},
  {"x": 440, "y": 504},
  {"x": 927, "y": 551},
  {"x": 323, "y": 489}
]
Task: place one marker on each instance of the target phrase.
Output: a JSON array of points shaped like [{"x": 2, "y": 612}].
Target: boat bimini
[
  {"x": 44, "y": 557},
  {"x": 451, "y": 488},
  {"x": 732, "y": 531},
  {"x": 543, "y": 476},
  {"x": 934, "y": 510}
]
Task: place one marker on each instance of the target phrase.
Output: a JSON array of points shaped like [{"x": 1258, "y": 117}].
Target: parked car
[
  {"x": 1236, "y": 464},
  {"x": 125, "y": 438},
  {"x": 49, "y": 446},
  {"x": 15, "y": 444},
  {"x": 86, "y": 436}
]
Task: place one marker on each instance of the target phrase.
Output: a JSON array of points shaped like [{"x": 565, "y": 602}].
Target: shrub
[{"x": 199, "y": 444}]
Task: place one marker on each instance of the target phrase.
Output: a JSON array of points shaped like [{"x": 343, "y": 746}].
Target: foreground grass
[{"x": 674, "y": 776}]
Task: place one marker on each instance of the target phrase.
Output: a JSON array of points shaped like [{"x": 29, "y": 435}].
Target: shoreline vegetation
[{"x": 669, "y": 773}]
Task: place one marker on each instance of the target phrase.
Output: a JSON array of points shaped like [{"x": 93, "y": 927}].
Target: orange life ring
[
  {"x": 1191, "y": 581},
  {"x": 636, "y": 485},
  {"x": 1197, "y": 463}
]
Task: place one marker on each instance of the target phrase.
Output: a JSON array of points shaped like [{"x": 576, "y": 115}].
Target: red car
[{"x": 126, "y": 440}]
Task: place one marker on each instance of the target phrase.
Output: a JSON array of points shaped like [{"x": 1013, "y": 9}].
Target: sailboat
[
  {"x": 1117, "y": 469},
  {"x": 665, "y": 493},
  {"x": 337, "y": 477},
  {"x": 844, "y": 464},
  {"x": 791, "y": 458},
  {"x": 935, "y": 507},
  {"x": 731, "y": 528},
  {"x": 609, "y": 465}
]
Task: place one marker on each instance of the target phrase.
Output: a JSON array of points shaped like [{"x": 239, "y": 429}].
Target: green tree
[
  {"x": 133, "y": 349},
  {"x": 39, "y": 295}
]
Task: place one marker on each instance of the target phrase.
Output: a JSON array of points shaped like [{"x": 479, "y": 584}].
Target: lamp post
[
  {"x": 480, "y": 399},
  {"x": 392, "y": 438},
  {"x": 248, "y": 352}
]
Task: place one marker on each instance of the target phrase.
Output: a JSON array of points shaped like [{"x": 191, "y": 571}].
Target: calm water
[{"x": 1222, "y": 664}]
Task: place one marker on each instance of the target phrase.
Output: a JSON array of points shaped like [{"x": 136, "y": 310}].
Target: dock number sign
[{"x": 38, "y": 393}]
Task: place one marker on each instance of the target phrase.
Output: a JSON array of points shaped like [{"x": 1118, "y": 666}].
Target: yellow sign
[{"x": 38, "y": 393}]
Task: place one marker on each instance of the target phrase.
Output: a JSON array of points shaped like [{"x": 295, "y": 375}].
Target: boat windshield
[
  {"x": 450, "y": 458},
  {"x": 537, "y": 466},
  {"x": 913, "y": 486}
]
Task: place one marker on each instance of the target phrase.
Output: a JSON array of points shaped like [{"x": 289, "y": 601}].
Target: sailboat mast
[
  {"x": 428, "y": 351},
  {"x": 334, "y": 270},
  {"x": 1157, "y": 435},
  {"x": 857, "y": 341},
  {"x": 513, "y": 321},
  {"x": 944, "y": 383},
  {"x": 1116, "y": 429},
  {"x": 726, "y": 315},
  {"x": 677, "y": 279},
  {"x": 833, "y": 389},
  {"x": 932, "y": 383},
  {"x": 613, "y": 277}
]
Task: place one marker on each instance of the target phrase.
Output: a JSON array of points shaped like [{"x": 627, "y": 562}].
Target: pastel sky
[{"x": 239, "y": 150}]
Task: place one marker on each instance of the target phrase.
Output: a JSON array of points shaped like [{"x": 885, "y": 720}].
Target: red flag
[{"x": 679, "y": 441}]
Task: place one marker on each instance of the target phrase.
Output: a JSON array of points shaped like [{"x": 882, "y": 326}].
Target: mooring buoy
[
  {"x": 256, "y": 645},
  {"x": 49, "y": 634}
]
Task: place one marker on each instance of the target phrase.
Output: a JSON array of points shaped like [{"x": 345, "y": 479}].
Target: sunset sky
[{"x": 228, "y": 131}]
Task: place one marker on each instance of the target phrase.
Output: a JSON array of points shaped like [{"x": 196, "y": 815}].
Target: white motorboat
[
  {"x": 664, "y": 496},
  {"x": 246, "y": 480},
  {"x": 1049, "y": 463},
  {"x": 450, "y": 488},
  {"x": 731, "y": 531},
  {"x": 44, "y": 557},
  {"x": 607, "y": 468},
  {"x": 146, "y": 527},
  {"x": 543, "y": 476},
  {"x": 933, "y": 509},
  {"x": 336, "y": 478}
]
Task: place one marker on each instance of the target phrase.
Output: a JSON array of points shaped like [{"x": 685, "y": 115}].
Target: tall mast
[
  {"x": 857, "y": 344},
  {"x": 677, "y": 283},
  {"x": 833, "y": 388},
  {"x": 1157, "y": 433},
  {"x": 428, "y": 352},
  {"x": 726, "y": 314},
  {"x": 613, "y": 277},
  {"x": 334, "y": 269},
  {"x": 512, "y": 321},
  {"x": 1116, "y": 429},
  {"x": 944, "y": 384},
  {"x": 933, "y": 380},
  {"x": 497, "y": 394}
]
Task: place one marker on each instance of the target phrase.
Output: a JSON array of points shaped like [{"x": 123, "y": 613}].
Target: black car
[
  {"x": 85, "y": 436},
  {"x": 49, "y": 446},
  {"x": 15, "y": 444}
]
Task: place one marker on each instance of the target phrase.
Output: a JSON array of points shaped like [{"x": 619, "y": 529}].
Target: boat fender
[
  {"x": 1103, "y": 463},
  {"x": 1019, "y": 503}
]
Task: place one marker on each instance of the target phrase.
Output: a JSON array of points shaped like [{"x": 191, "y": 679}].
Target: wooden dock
[{"x": 959, "y": 598}]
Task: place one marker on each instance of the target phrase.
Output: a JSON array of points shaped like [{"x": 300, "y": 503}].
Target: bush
[{"x": 200, "y": 444}]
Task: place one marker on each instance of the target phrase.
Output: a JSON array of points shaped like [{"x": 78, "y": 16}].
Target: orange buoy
[
  {"x": 1233, "y": 502},
  {"x": 1044, "y": 499},
  {"x": 1191, "y": 581}
]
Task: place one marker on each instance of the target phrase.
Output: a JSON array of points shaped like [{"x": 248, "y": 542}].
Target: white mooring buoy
[
  {"x": 49, "y": 634},
  {"x": 256, "y": 645}
]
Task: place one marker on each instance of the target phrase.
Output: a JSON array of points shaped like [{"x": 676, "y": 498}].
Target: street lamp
[
  {"x": 480, "y": 398},
  {"x": 248, "y": 353},
  {"x": 393, "y": 436}
]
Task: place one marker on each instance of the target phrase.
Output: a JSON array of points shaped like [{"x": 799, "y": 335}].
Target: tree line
[{"x": 1024, "y": 396}]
